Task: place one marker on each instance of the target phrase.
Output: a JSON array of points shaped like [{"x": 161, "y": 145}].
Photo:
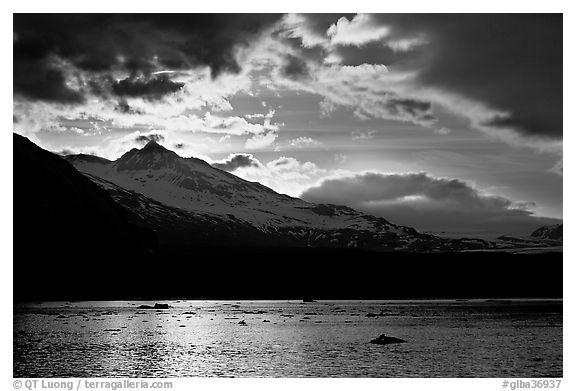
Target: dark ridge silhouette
[
  {"x": 86, "y": 158},
  {"x": 72, "y": 241},
  {"x": 292, "y": 273},
  {"x": 65, "y": 226}
]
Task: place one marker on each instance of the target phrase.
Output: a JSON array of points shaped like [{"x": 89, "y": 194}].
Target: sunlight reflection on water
[{"x": 289, "y": 339}]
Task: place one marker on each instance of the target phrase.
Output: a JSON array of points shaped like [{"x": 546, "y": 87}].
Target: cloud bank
[
  {"x": 427, "y": 203},
  {"x": 106, "y": 45},
  {"x": 503, "y": 72}
]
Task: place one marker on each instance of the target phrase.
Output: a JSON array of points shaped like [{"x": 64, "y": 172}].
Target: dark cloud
[
  {"x": 282, "y": 161},
  {"x": 37, "y": 80},
  {"x": 387, "y": 104},
  {"x": 294, "y": 67},
  {"x": 418, "y": 110},
  {"x": 124, "y": 108},
  {"x": 411, "y": 106},
  {"x": 152, "y": 88},
  {"x": 136, "y": 43},
  {"x": 146, "y": 138},
  {"x": 236, "y": 161},
  {"x": 510, "y": 62},
  {"x": 427, "y": 203},
  {"x": 375, "y": 53},
  {"x": 179, "y": 145},
  {"x": 314, "y": 53}
]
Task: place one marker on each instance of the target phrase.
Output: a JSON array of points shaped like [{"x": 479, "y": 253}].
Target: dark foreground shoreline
[{"x": 282, "y": 273}]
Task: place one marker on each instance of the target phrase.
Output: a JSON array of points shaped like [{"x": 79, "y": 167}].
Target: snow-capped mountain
[
  {"x": 190, "y": 184},
  {"x": 194, "y": 185},
  {"x": 549, "y": 232},
  {"x": 192, "y": 188},
  {"x": 548, "y": 236}
]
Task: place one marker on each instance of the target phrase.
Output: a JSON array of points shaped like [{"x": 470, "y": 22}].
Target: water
[{"x": 326, "y": 339}]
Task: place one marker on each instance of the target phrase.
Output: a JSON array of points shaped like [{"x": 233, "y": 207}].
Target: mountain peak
[
  {"x": 553, "y": 232},
  {"x": 151, "y": 156},
  {"x": 153, "y": 145}
]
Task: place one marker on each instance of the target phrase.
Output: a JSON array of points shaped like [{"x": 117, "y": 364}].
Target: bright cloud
[
  {"x": 358, "y": 31},
  {"x": 286, "y": 175},
  {"x": 304, "y": 142},
  {"x": 261, "y": 141}
]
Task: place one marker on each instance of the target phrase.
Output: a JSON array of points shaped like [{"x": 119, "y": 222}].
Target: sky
[{"x": 444, "y": 122}]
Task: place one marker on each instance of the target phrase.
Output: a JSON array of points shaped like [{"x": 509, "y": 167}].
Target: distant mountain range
[
  {"x": 192, "y": 199},
  {"x": 549, "y": 232},
  {"x": 187, "y": 202},
  {"x": 546, "y": 236},
  {"x": 89, "y": 227},
  {"x": 185, "y": 199}
]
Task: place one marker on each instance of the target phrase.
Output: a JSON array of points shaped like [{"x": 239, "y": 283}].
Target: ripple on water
[{"x": 289, "y": 339}]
